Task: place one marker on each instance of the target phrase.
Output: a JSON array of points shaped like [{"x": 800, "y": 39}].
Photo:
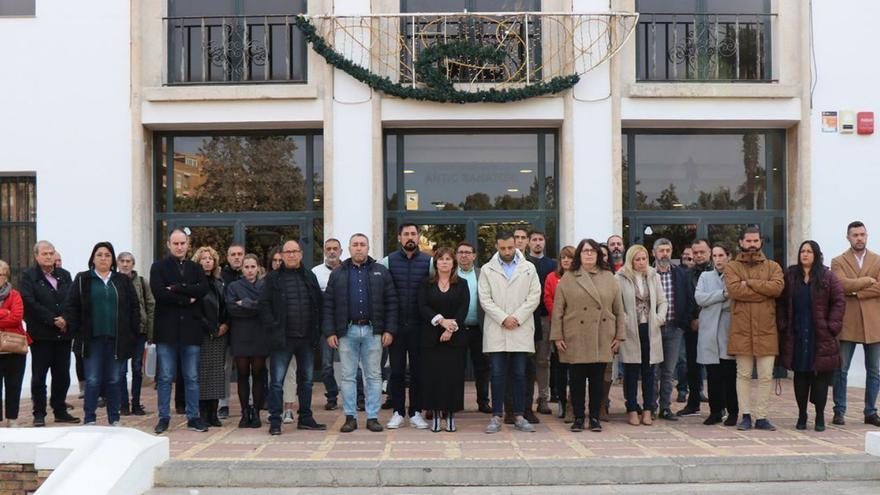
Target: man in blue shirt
[{"x": 465, "y": 254}]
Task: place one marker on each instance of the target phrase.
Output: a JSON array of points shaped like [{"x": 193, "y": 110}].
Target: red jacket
[
  {"x": 550, "y": 290},
  {"x": 12, "y": 313}
]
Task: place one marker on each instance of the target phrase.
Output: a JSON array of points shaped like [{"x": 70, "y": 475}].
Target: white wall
[
  {"x": 64, "y": 114},
  {"x": 846, "y": 168}
]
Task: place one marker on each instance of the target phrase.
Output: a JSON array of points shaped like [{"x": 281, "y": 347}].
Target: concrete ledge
[
  {"x": 290, "y": 91},
  {"x": 87, "y": 459},
  {"x": 711, "y": 90},
  {"x": 255, "y": 474},
  {"x": 872, "y": 443}
]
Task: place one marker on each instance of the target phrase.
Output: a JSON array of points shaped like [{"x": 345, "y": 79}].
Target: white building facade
[{"x": 127, "y": 119}]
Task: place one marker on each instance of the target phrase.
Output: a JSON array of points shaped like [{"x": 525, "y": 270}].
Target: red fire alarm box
[{"x": 865, "y": 123}]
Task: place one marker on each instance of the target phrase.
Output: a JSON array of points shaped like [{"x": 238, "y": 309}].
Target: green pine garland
[{"x": 439, "y": 88}]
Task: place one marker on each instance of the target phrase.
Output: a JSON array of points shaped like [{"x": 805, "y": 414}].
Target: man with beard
[
  {"x": 753, "y": 283},
  {"x": 859, "y": 272},
  {"x": 230, "y": 273},
  {"x": 545, "y": 265},
  {"x": 408, "y": 267},
  {"x": 690, "y": 374},
  {"x": 680, "y": 314},
  {"x": 615, "y": 252}
]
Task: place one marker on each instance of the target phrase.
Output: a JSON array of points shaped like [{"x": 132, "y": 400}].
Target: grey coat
[{"x": 714, "y": 318}]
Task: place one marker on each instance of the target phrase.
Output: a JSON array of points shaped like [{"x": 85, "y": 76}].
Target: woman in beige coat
[
  {"x": 587, "y": 326},
  {"x": 645, "y": 304}
]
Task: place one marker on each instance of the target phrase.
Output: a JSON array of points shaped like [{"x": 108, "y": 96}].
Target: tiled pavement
[{"x": 687, "y": 437}]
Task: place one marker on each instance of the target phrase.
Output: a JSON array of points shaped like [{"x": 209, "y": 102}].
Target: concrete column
[
  {"x": 588, "y": 192},
  {"x": 354, "y": 180}
]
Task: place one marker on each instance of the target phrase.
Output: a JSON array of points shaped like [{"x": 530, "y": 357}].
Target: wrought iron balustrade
[
  {"x": 705, "y": 47},
  {"x": 235, "y": 49}
]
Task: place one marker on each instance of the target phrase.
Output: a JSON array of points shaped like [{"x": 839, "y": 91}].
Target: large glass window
[
  {"x": 251, "y": 188},
  {"x": 18, "y": 221},
  {"x": 466, "y": 185},
  {"x": 710, "y": 184}
]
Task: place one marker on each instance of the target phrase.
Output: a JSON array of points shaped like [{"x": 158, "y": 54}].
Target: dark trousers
[
  {"x": 504, "y": 364},
  {"x": 405, "y": 350},
  {"x": 721, "y": 381},
  {"x": 580, "y": 375},
  {"x": 644, "y": 370},
  {"x": 554, "y": 373},
  {"x": 479, "y": 361},
  {"x": 49, "y": 355},
  {"x": 137, "y": 373},
  {"x": 813, "y": 387},
  {"x": 694, "y": 370},
  {"x": 528, "y": 386},
  {"x": 302, "y": 351},
  {"x": 563, "y": 373},
  {"x": 11, "y": 376}
]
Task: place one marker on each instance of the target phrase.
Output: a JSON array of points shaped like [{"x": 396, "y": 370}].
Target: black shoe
[
  {"x": 351, "y": 424},
  {"x": 838, "y": 419},
  {"x": 178, "y": 409},
  {"x": 245, "y": 421},
  {"x": 125, "y": 411},
  {"x": 374, "y": 425},
  {"x": 820, "y": 421},
  {"x": 309, "y": 424},
  {"x": 223, "y": 412},
  {"x": 161, "y": 427},
  {"x": 275, "y": 428},
  {"x": 713, "y": 419},
  {"x": 577, "y": 425},
  {"x": 65, "y": 417},
  {"x": 39, "y": 421},
  {"x": 102, "y": 402},
  {"x": 387, "y": 404},
  {"x": 872, "y": 420},
  {"x": 682, "y": 397},
  {"x": 595, "y": 425},
  {"x": 703, "y": 398},
  {"x": 138, "y": 410},
  {"x": 256, "y": 422},
  {"x": 196, "y": 425},
  {"x": 731, "y": 419},
  {"x": 801, "y": 422},
  {"x": 213, "y": 420},
  {"x": 484, "y": 408},
  {"x": 530, "y": 417},
  {"x": 331, "y": 405},
  {"x": 688, "y": 411},
  {"x": 666, "y": 414}
]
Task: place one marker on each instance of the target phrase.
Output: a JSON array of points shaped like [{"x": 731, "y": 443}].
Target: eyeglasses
[{"x": 293, "y": 251}]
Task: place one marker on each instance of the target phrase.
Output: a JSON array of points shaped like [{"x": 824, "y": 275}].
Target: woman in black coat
[
  {"x": 809, "y": 317},
  {"x": 212, "y": 356},
  {"x": 249, "y": 343},
  {"x": 443, "y": 304},
  {"x": 104, "y": 315}
]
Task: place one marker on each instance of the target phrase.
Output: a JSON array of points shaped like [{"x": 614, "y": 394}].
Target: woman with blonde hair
[
  {"x": 212, "y": 379},
  {"x": 644, "y": 303}
]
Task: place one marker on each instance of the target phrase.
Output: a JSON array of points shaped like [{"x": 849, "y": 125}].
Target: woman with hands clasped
[{"x": 443, "y": 304}]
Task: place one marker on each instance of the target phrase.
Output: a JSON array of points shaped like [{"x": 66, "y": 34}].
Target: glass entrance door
[{"x": 681, "y": 235}]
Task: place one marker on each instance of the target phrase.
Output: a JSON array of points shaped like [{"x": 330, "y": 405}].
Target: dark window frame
[{"x": 18, "y": 253}]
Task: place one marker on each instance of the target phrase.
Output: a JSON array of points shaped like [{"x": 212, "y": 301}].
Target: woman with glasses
[
  {"x": 11, "y": 363},
  {"x": 104, "y": 314}
]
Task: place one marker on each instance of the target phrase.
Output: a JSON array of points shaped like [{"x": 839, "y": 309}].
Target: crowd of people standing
[{"x": 537, "y": 330}]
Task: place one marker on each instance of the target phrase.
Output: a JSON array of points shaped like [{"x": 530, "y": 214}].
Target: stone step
[{"x": 396, "y": 473}]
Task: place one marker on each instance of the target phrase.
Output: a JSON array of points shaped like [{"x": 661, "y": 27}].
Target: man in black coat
[
  {"x": 177, "y": 285},
  {"x": 359, "y": 319},
  {"x": 290, "y": 312},
  {"x": 44, "y": 289}
]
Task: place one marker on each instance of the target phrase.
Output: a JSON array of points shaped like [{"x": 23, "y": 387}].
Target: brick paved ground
[{"x": 553, "y": 440}]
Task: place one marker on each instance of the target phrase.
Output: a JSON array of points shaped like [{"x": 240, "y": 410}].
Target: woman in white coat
[
  {"x": 645, "y": 305},
  {"x": 711, "y": 295}
]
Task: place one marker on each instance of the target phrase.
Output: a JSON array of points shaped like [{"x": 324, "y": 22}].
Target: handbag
[{"x": 14, "y": 343}]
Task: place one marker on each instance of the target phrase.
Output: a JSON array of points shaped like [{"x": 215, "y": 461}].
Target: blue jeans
[
  {"x": 499, "y": 365},
  {"x": 361, "y": 348},
  {"x": 101, "y": 368},
  {"x": 166, "y": 357},
  {"x": 671, "y": 346},
  {"x": 328, "y": 376},
  {"x": 137, "y": 373},
  {"x": 301, "y": 349},
  {"x": 872, "y": 378}
]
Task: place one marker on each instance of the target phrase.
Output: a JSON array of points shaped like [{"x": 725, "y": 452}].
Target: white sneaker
[
  {"x": 287, "y": 417},
  {"x": 418, "y": 422},
  {"x": 396, "y": 422}
]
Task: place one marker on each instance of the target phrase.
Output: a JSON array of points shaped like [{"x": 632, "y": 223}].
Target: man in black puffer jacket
[{"x": 360, "y": 318}]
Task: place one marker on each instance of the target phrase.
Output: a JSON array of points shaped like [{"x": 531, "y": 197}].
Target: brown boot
[
  {"x": 633, "y": 418},
  {"x": 646, "y": 418}
]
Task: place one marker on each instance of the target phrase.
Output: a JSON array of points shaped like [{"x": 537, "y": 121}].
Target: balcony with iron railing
[{"x": 705, "y": 47}]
